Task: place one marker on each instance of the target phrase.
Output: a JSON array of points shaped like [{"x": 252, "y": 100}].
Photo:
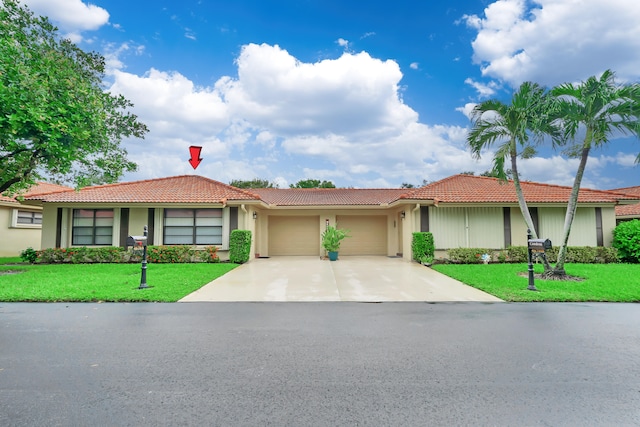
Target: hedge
[
  {"x": 626, "y": 238},
  {"x": 518, "y": 254},
  {"x": 114, "y": 254},
  {"x": 422, "y": 246},
  {"x": 239, "y": 246}
]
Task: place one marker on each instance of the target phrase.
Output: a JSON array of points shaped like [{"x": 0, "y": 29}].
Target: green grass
[
  {"x": 602, "y": 282},
  {"x": 104, "y": 282}
]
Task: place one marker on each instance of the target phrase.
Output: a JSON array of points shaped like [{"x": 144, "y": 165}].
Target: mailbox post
[
  {"x": 535, "y": 245},
  {"x": 137, "y": 242}
]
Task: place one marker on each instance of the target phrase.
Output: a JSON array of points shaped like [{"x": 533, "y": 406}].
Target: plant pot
[{"x": 333, "y": 256}]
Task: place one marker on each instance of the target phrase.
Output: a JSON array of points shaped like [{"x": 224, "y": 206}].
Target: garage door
[
  {"x": 294, "y": 235},
  {"x": 368, "y": 235}
]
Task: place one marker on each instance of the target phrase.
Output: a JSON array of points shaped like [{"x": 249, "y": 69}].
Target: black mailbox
[
  {"x": 137, "y": 241},
  {"x": 539, "y": 245}
]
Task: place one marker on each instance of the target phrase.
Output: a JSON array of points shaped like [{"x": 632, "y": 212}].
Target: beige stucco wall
[
  {"x": 16, "y": 239},
  {"x": 457, "y": 226},
  {"x": 394, "y": 246},
  {"x": 467, "y": 227}
]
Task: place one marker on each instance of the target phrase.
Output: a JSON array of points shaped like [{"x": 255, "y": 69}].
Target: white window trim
[{"x": 16, "y": 224}]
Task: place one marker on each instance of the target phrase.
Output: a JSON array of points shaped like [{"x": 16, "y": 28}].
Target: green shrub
[
  {"x": 518, "y": 254},
  {"x": 422, "y": 245},
  {"x": 468, "y": 255},
  {"x": 114, "y": 254},
  {"x": 29, "y": 255},
  {"x": 626, "y": 238},
  {"x": 239, "y": 246}
]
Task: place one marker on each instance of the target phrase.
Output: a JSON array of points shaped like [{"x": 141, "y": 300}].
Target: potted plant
[{"x": 331, "y": 239}]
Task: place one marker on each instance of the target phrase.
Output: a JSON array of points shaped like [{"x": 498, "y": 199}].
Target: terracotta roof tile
[
  {"x": 328, "y": 196},
  {"x": 38, "y": 189},
  {"x": 177, "y": 189},
  {"x": 628, "y": 210},
  {"x": 479, "y": 189}
]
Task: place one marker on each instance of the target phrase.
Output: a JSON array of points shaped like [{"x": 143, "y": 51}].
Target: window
[
  {"x": 92, "y": 227},
  {"x": 192, "y": 227},
  {"x": 26, "y": 219}
]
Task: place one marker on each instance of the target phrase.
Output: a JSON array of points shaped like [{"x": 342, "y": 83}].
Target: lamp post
[
  {"x": 532, "y": 285},
  {"x": 143, "y": 275}
]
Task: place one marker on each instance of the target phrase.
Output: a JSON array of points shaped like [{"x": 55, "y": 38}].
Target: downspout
[
  {"x": 413, "y": 211},
  {"x": 245, "y": 215}
]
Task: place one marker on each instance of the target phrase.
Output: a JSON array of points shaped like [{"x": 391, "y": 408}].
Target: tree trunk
[
  {"x": 558, "y": 270},
  {"x": 524, "y": 208}
]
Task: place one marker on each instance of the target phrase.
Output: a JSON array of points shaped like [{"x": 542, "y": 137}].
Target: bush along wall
[
  {"x": 518, "y": 254},
  {"x": 112, "y": 254},
  {"x": 239, "y": 246},
  {"x": 422, "y": 247},
  {"x": 626, "y": 238}
]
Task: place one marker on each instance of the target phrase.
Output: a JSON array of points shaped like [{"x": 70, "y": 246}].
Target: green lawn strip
[
  {"x": 602, "y": 282},
  {"x": 10, "y": 260},
  {"x": 105, "y": 282}
]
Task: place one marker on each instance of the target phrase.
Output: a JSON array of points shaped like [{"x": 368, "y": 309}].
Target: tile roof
[
  {"x": 38, "y": 189},
  {"x": 479, "y": 189},
  {"x": 628, "y": 210},
  {"x": 176, "y": 189},
  {"x": 198, "y": 189},
  {"x": 328, "y": 196}
]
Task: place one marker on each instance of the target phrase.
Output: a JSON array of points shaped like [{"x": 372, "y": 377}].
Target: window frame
[
  {"x": 193, "y": 227},
  {"x": 93, "y": 227},
  {"x": 15, "y": 216}
]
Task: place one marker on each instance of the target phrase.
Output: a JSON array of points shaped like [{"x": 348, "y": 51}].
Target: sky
[{"x": 364, "y": 94}]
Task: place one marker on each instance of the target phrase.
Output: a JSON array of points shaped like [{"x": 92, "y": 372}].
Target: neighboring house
[
  {"x": 20, "y": 224},
  {"x": 460, "y": 211},
  {"x": 628, "y": 212}
]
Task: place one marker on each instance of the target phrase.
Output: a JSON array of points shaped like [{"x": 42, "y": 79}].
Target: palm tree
[
  {"x": 597, "y": 108},
  {"x": 528, "y": 116}
]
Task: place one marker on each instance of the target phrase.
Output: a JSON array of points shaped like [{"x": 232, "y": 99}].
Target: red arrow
[{"x": 195, "y": 156}]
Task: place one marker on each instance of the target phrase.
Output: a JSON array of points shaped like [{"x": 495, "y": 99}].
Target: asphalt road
[{"x": 320, "y": 364}]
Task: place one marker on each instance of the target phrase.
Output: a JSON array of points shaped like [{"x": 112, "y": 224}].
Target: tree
[
  {"x": 407, "y": 185},
  {"x": 312, "y": 183},
  {"x": 55, "y": 118},
  {"x": 508, "y": 173},
  {"x": 254, "y": 183},
  {"x": 595, "y": 109},
  {"x": 513, "y": 126}
]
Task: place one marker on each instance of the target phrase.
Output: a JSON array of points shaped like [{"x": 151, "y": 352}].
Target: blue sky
[{"x": 367, "y": 94}]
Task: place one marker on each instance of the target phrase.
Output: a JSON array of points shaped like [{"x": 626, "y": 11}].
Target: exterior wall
[
  {"x": 15, "y": 239},
  {"x": 608, "y": 224},
  {"x": 138, "y": 218},
  {"x": 262, "y": 226},
  {"x": 467, "y": 227},
  {"x": 518, "y": 228},
  {"x": 583, "y": 229}
]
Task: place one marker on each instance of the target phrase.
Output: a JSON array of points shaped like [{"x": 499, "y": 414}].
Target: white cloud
[
  {"x": 554, "y": 41},
  {"x": 71, "y": 16},
  {"x": 343, "y": 43},
  {"x": 485, "y": 90},
  {"x": 414, "y": 65},
  {"x": 467, "y": 109},
  {"x": 171, "y": 105},
  {"x": 354, "y": 94},
  {"x": 339, "y": 118}
]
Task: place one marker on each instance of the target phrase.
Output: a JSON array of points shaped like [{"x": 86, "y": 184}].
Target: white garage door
[
  {"x": 368, "y": 234},
  {"x": 294, "y": 235}
]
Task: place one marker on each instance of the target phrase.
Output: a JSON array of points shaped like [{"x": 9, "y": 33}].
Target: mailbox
[
  {"x": 137, "y": 241},
  {"x": 539, "y": 245}
]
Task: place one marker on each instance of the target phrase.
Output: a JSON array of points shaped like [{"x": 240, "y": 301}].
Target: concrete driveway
[{"x": 351, "y": 278}]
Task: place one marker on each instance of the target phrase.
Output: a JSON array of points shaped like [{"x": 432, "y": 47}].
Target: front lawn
[
  {"x": 602, "y": 282},
  {"x": 104, "y": 282}
]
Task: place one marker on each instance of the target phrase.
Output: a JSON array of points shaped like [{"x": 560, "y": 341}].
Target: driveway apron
[{"x": 352, "y": 278}]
